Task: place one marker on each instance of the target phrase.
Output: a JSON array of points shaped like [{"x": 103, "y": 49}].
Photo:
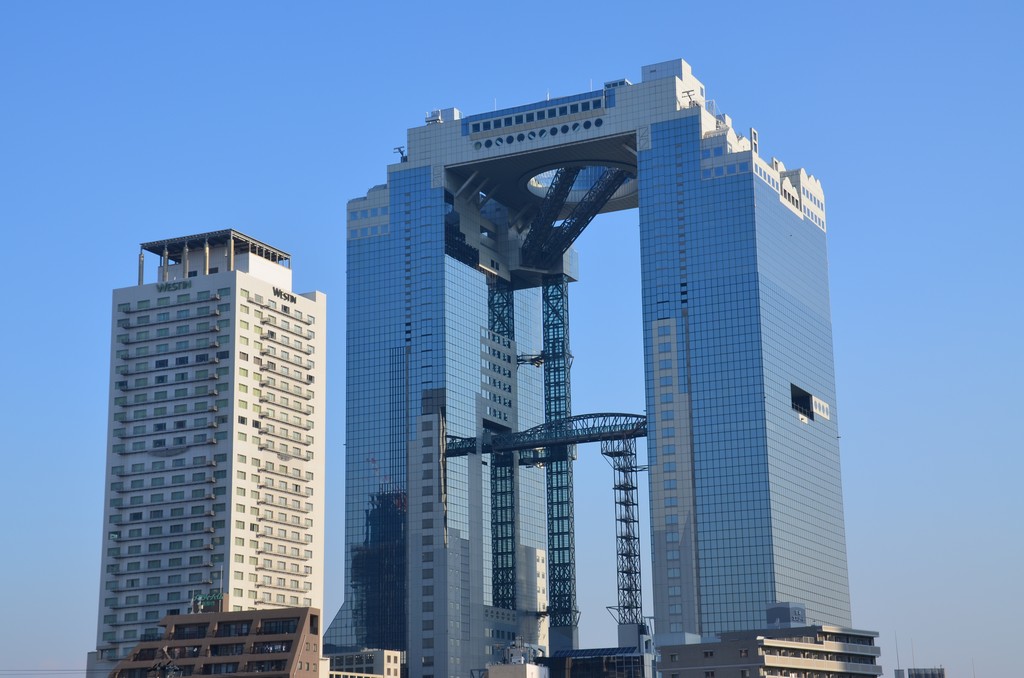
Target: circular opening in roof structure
[{"x": 585, "y": 180}]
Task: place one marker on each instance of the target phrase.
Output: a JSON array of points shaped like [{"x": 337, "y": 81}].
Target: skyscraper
[
  {"x": 215, "y": 444},
  {"x": 459, "y": 272}
]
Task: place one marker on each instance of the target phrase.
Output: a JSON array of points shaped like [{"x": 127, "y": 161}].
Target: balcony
[
  {"x": 286, "y": 490},
  {"x": 266, "y": 398},
  {"x": 300, "y": 508}
]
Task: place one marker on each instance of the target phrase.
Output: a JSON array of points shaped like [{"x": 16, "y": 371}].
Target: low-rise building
[
  {"x": 275, "y": 643},
  {"x": 368, "y": 664},
  {"x": 805, "y": 652},
  {"x": 921, "y": 673}
]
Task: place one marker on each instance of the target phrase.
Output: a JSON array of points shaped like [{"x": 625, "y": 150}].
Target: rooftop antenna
[
  {"x": 897, "y": 651},
  {"x": 400, "y": 150}
]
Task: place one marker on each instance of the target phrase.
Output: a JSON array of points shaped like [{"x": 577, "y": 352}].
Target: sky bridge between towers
[
  {"x": 551, "y": 443},
  {"x": 577, "y": 430}
]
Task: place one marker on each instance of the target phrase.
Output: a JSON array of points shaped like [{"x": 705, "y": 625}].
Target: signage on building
[
  {"x": 205, "y": 602},
  {"x": 281, "y": 294},
  {"x": 173, "y": 286}
]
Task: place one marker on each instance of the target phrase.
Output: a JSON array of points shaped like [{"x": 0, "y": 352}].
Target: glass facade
[
  {"x": 425, "y": 362},
  {"x": 745, "y": 488},
  {"x": 450, "y": 264}
]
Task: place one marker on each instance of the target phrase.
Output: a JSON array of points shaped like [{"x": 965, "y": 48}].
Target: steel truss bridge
[{"x": 552, "y": 445}]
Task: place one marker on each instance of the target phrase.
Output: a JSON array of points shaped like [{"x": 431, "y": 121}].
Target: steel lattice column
[
  {"x": 504, "y": 467},
  {"x": 560, "y": 239},
  {"x": 500, "y": 307},
  {"x": 503, "y": 529},
  {"x": 622, "y": 454},
  {"x": 554, "y": 201},
  {"x": 562, "y": 610}
]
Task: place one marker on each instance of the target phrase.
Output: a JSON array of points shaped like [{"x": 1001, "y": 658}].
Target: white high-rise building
[{"x": 215, "y": 445}]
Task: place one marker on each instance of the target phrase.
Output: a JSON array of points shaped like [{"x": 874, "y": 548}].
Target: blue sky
[{"x": 127, "y": 122}]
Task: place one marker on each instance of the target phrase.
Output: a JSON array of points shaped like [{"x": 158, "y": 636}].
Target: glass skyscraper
[{"x": 459, "y": 272}]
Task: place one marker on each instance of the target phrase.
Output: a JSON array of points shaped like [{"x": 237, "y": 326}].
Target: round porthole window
[
  {"x": 509, "y": 139},
  {"x": 520, "y": 136},
  {"x": 586, "y": 125},
  {"x": 598, "y": 122},
  {"x": 532, "y": 135},
  {"x": 478, "y": 145},
  {"x": 554, "y": 131},
  {"x": 488, "y": 144},
  {"x": 575, "y": 127}
]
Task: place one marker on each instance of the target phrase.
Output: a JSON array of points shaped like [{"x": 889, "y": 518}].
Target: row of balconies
[
  {"x": 296, "y": 407},
  {"x": 124, "y": 474},
  {"x": 130, "y": 490},
  {"x": 152, "y": 309},
  {"x": 304, "y": 319},
  {"x": 290, "y": 573},
  {"x": 118, "y": 520},
  {"x": 308, "y": 492},
  {"x": 166, "y": 585},
  {"x": 124, "y": 355},
  {"x": 292, "y": 438},
  {"x": 187, "y": 500},
  {"x": 127, "y": 606},
  {"x": 283, "y": 452},
  {"x": 126, "y": 324},
  {"x": 124, "y": 387},
  {"x": 295, "y": 359},
  {"x": 207, "y": 580},
  {"x": 271, "y": 321},
  {"x": 168, "y": 451},
  {"x": 284, "y": 523},
  {"x": 128, "y": 340},
  {"x": 125, "y": 371},
  {"x": 123, "y": 539},
  {"x": 288, "y": 540},
  {"x": 292, "y": 507},
  {"x": 170, "y": 415},
  {"x": 270, "y": 382},
  {"x": 190, "y": 549},
  {"x": 284, "y": 341},
  {"x": 272, "y": 367},
  {"x": 122, "y": 433},
  {"x": 276, "y": 587},
  {"x": 294, "y": 475}
]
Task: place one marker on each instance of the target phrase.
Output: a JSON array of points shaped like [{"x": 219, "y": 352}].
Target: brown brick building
[{"x": 280, "y": 643}]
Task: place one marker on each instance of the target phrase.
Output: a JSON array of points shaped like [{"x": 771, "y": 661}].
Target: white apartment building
[{"x": 215, "y": 444}]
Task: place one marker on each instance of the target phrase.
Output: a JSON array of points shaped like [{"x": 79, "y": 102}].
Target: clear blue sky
[{"x": 127, "y": 122}]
